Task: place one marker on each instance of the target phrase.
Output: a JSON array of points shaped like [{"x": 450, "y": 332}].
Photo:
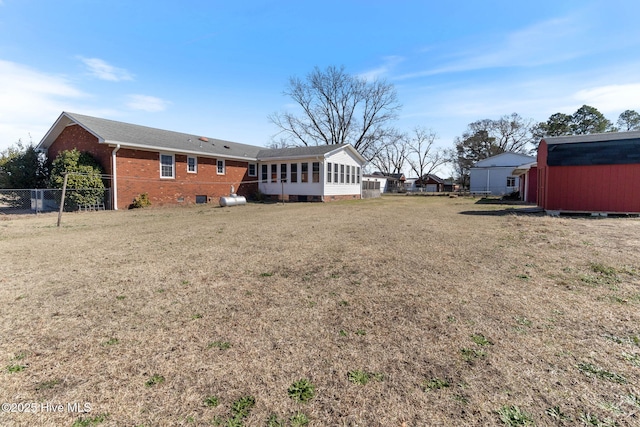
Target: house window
[
  {"x": 305, "y": 172},
  {"x": 294, "y": 172},
  {"x": 335, "y": 173},
  {"x": 192, "y": 164},
  {"x": 283, "y": 172},
  {"x": 348, "y": 173},
  {"x": 328, "y": 172},
  {"x": 220, "y": 164},
  {"x": 167, "y": 164},
  {"x": 201, "y": 199},
  {"x": 252, "y": 169},
  {"x": 341, "y": 174},
  {"x": 358, "y": 174},
  {"x": 274, "y": 173},
  {"x": 511, "y": 181},
  {"x": 316, "y": 172},
  {"x": 265, "y": 173},
  {"x": 353, "y": 174}
]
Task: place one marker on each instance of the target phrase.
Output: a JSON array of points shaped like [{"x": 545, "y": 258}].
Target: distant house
[
  {"x": 173, "y": 167},
  {"x": 493, "y": 175},
  {"x": 432, "y": 184},
  {"x": 590, "y": 173}
]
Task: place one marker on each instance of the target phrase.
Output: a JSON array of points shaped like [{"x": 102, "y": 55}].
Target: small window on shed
[
  {"x": 220, "y": 164},
  {"x": 511, "y": 181}
]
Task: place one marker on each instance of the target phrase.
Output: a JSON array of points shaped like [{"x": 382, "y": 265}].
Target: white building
[
  {"x": 493, "y": 175},
  {"x": 316, "y": 173}
]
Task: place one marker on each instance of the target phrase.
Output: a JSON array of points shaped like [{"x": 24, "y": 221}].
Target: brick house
[{"x": 173, "y": 167}]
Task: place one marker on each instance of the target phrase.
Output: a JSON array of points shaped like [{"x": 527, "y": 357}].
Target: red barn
[{"x": 590, "y": 173}]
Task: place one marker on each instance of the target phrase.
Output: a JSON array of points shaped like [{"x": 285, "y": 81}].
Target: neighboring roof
[
  {"x": 112, "y": 132},
  {"x": 522, "y": 169},
  {"x": 308, "y": 151},
  {"x": 435, "y": 178},
  {"x": 594, "y": 137},
  {"x": 499, "y": 160}
]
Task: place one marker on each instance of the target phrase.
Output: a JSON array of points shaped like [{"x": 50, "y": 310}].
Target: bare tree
[
  {"x": 391, "y": 156},
  {"x": 513, "y": 133},
  {"x": 339, "y": 108},
  {"x": 422, "y": 155}
]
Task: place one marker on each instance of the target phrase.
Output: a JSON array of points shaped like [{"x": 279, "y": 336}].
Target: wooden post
[{"x": 64, "y": 190}]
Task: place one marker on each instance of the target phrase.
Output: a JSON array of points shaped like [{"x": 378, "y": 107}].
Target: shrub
[
  {"x": 84, "y": 178},
  {"x": 141, "y": 201}
]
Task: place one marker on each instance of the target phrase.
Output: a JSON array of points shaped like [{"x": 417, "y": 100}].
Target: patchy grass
[
  {"x": 592, "y": 370},
  {"x": 514, "y": 416},
  {"x": 301, "y": 391},
  {"x": 426, "y": 290}
]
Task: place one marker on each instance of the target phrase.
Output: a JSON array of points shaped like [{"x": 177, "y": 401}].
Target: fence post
[{"x": 64, "y": 190}]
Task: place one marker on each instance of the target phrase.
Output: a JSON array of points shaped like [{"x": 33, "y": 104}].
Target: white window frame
[
  {"x": 173, "y": 165},
  {"x": 218, "y": 163},
  {"x": 195, "y": 164},
  {"x": 255, "y": 169}
]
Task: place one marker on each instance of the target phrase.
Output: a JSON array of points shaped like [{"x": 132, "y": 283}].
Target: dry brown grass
[{"x": 395, "y": 287}]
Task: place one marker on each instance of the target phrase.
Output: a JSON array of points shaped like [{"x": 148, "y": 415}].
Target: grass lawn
[{"x": 400, "y": 311}]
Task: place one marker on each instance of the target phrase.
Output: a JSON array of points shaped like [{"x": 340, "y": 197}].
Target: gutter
[{"x": 114, "y": 182}]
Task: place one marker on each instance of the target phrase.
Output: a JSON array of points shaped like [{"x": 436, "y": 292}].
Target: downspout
[{"x": 114, "y": 182}]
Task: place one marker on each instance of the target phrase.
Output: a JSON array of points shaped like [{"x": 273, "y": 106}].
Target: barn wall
[
  {"x": 596, "y": 188},
  {"x": 532, "y": 185},
  {"x": 603, "y": 188}
]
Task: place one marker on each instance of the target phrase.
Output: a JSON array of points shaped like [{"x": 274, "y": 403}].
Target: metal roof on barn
[{"x": 594, "y": 137}]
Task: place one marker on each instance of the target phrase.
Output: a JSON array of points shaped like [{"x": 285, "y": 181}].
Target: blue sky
[{"x": 218, "y": 68}]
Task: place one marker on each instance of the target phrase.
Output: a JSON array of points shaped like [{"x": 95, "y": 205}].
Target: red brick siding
[
  {"x": 77, "y": 137},
  {"x": 139, "y": 172}
]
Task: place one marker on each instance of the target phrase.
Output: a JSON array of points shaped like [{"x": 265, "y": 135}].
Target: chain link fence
[{"x": 25, "y": 201}]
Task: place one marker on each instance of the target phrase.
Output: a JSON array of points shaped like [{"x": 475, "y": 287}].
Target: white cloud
[
  {"x": 147, "y": 103},
  {"x": 547, "y": 42},
  {"x": 389, "y": 63},
  {"x": 610, "y": 98},
  {"x": 31, "y": 101},
  {"x": 105, "y": 71}
]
